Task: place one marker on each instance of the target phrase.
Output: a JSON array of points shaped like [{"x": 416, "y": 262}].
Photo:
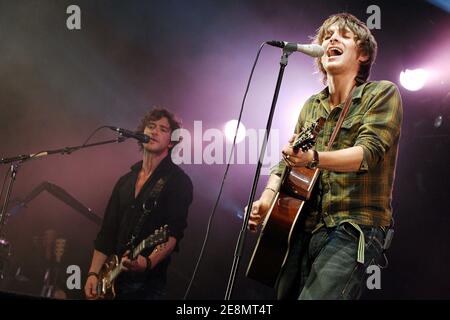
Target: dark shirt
[{"x": 124, "y": 210}]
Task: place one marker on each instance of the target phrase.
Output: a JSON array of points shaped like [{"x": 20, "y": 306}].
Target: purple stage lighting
[
  {"x": 230, "y": 130},
  {"x": 414, "y": 80}
]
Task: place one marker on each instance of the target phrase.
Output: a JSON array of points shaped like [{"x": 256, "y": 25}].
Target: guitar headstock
[
  {"x": 158, "y": 237},
  {"x": 306, "y": 139},
  {"x": 60, "y": 245}
]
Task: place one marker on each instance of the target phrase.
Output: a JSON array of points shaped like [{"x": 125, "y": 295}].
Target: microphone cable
[{"x": 208, "y": 228}]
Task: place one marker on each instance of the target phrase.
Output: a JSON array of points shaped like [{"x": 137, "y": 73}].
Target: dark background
[{"x": 194, "y": 57}]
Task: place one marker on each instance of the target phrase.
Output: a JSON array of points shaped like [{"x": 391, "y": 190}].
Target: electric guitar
[
  {"x": 272, "y": 246},
  {"x": 113, "y": 267},
  {"x": 53, "y": 274}
]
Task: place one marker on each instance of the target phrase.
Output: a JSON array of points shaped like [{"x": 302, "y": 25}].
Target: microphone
[
  {"x": 312, "y": 50},
  {"x": 143, "y": 138}
]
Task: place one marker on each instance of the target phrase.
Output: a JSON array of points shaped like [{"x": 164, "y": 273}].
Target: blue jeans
[
  {"x": 324, "y": 266},
  {"x": 149, "y": 289}
]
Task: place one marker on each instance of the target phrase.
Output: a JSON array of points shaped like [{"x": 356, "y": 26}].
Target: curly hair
[
  {"x": 155, "y": 114},
  {"x": 364, "y": 40}
]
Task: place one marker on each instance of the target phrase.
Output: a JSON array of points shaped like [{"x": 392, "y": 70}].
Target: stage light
[
  {"x": 230, "y": 130},
  {"x": 414, "y": 80}
]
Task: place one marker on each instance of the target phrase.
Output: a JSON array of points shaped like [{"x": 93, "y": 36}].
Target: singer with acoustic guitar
[{"x": 337, "y": 194}]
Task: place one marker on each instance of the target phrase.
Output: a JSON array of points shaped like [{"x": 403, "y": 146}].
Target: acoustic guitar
[{"x": 272, "y": 246}]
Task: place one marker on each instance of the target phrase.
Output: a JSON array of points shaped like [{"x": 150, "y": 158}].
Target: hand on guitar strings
[
  {"x": 296, "y": 158},
  {"x": 137, "y": 265},
  {"x": 259, "y": 210}
]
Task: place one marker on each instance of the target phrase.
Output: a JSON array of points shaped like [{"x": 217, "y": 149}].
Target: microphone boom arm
[
  {"x": 65, "y": 150},
  {"x": 60, "y": 194}
]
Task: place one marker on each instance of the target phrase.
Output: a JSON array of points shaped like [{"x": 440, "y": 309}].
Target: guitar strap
[
  {"x": 148, "y": 206},
  {"x": 344, "y": 111},
  {"x": 336, "y": 129}
]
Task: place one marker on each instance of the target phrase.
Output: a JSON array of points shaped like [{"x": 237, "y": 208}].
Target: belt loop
[{"x": 320, "y": 225}]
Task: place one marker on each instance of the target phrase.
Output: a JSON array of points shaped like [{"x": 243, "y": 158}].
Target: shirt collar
[
  {"x": 323, "y": 95},
  {"x": 165, "y": 164}
]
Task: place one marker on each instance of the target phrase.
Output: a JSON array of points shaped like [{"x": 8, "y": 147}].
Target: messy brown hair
[
  {"x": 155, "y": 114},
  {"x": 364, "y": 40}
]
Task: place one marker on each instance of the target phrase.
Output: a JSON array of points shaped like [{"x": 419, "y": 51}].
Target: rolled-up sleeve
[
  {"x": 380, "y": 125},
  {"x": 181, "y": 194},
  {"x": 105, "y": 241},
  {"x": 278, "y": 168}
]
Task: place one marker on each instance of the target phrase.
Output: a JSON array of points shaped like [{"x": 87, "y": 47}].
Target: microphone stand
[
  {"x": 241, "y": 239},
  {"x": 14, "y": 167}
]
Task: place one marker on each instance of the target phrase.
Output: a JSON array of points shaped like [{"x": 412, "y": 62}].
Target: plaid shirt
[{"x": 372, "y": 122}]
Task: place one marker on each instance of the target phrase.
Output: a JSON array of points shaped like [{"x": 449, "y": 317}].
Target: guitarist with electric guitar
[
  {"x": 155, "y": 193},
  {"x": 114, "y": 266},
  {"x": 326, "y": 211}
]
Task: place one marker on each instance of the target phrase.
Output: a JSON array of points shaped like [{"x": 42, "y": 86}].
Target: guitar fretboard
[
  {"x": 116, "y": 271},
  {"x": 158, "y": 237},
  {"x": 138, "y": 249}
]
